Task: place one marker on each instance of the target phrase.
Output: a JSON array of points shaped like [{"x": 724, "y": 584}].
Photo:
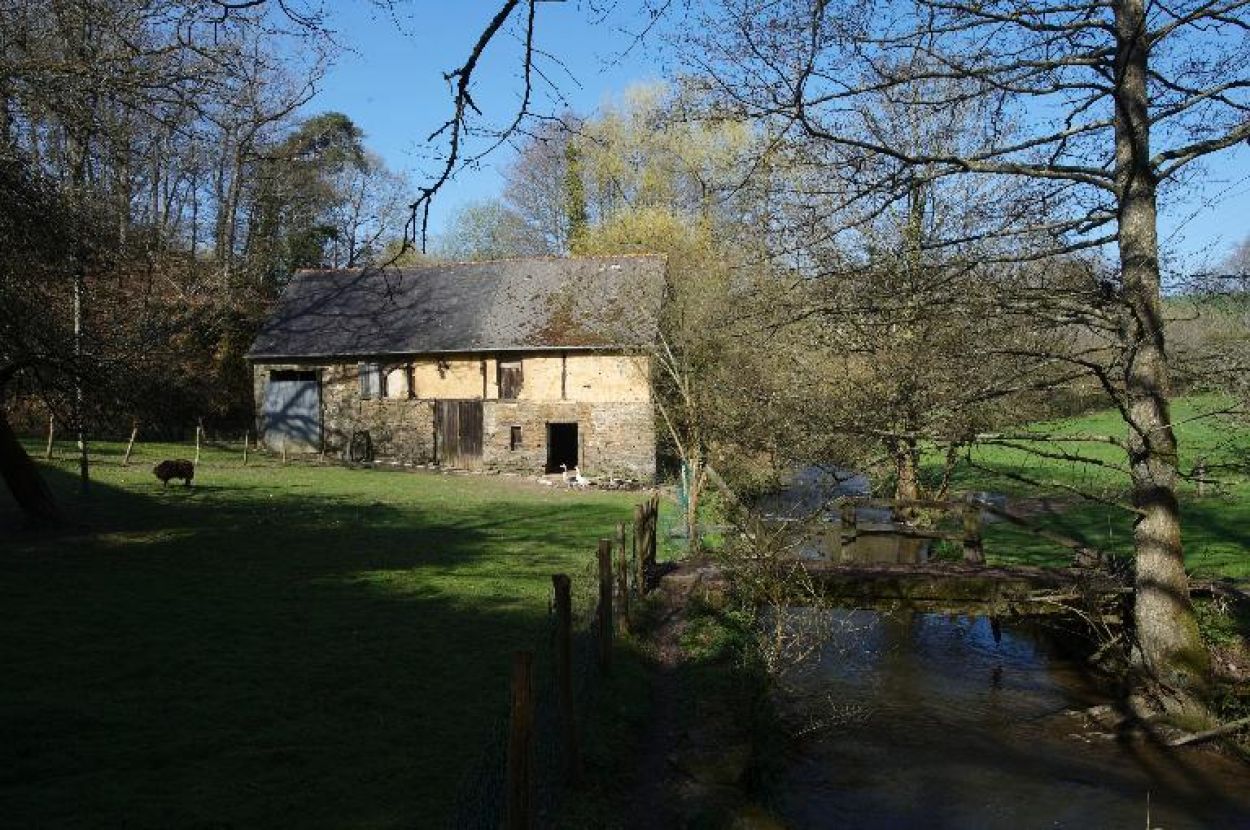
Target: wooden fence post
[
  {"x": 640, "y": 578},
  {"x": 199, "y": 431},
  {"x": 520, "y": 740},
  {"x": 622, "y": 575},
  {"x": 130, "y": 445},
  {"x": 849, "y": 519},
  {"x": 655, "y": 530},
  {"x": 605, "y": 604},
  {"x": 835, "y": 549},
  {"x": 974, "y": 552},
  {"x": 47, "y": 454},
  {"x": 653, "y": 521},
  {"x": 564, "y": 678}
]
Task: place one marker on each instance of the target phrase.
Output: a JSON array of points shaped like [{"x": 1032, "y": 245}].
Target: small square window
[{"x": 515, "y": 442}]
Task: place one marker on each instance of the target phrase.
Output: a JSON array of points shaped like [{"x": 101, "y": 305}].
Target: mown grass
[
  {"x": 303, "y": 645},
  {"x": 1216, "y": 526}
]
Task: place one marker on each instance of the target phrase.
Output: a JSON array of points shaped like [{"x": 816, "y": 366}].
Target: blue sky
[{"x": 391, "y": 84}]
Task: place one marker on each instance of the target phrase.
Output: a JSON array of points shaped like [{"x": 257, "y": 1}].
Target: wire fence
[{"x": 488, "y": 795}]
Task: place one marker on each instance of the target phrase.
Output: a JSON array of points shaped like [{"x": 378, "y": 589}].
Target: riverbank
[
  {"x": 1078, "y": 499},
  {"x": 1215, "y": 509},
  {"x": 705, "y": 750},
  {"x": 900, "y": 716}
]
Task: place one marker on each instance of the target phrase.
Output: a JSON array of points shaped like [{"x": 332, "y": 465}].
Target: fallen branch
[
  {"x": 1206, "y": 735},
  {"x": 1080, "y": 547}
]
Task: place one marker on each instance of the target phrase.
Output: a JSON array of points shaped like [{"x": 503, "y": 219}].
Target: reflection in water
[
  {"x": 811, "y": 493},
  {"x": 866, "y": 548},
  {"x": 964, "y": 727}
]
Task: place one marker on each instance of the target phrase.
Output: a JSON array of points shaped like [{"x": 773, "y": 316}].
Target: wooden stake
[
  {"x": 564, "y": 678},
  {"x": 605, "y": 604},
  {"x": 974, "y": 552},
  {"x": 622, "y": 575},
  {"x": 199, "y": 429},
  {"x": 130, "y": 445},
  {"x": 849, "y": 518},
  {"x": 653, "y": 524},
  {"x": 835, "y": 549},
  {"x": 247, "y": 437},
  {"x": 520, "y": 740},
  {"x": 47, "y": 454},
  {"x": 283, "y": 450},
  {"x": 639, "y": 531}
]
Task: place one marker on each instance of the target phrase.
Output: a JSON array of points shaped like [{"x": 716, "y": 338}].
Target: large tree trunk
[
  {"x": 22, "y": 477},
  {"x": 1171, "y": 649}
]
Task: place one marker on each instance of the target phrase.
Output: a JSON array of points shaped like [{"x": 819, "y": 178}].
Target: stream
[
  {"x": 945, "y": 721},
  {"x": 946, "y": 725}
]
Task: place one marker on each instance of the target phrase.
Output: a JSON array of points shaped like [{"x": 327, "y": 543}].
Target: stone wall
[
  {"x": 400, "y": 428},
  {"x": 614, "y": 439},
  {"x": 606, "y": 395}
]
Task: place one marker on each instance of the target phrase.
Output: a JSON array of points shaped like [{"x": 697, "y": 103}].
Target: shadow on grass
[{"x": 227, "y": 656}]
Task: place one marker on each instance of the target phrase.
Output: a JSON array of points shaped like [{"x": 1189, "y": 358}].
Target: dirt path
[{"x": 651, "y": 802}]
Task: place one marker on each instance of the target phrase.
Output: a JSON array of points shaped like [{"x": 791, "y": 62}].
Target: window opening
[{"x": 510, "y": 379}]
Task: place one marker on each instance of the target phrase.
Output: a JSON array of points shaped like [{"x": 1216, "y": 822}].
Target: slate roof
[{"x": 514, "y": 304}]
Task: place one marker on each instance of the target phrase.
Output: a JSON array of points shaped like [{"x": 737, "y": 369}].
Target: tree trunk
[
  {"x": 906, "y": 469},
  {"x": 22, "y": 477},
  {"x": 80, "y": 413},
  {"x": 1167, "y": 633},
  {"x": 78, "y": 164}
]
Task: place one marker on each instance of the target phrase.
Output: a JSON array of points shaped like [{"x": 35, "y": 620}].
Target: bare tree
[
  {"x": 368, "y": 213},
  {"x": 1099, "y": 106}
]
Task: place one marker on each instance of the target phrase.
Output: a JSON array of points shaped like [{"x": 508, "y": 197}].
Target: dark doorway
[
  {"x": 561, "y": 446},
  {"x": 458, "y": 433}
]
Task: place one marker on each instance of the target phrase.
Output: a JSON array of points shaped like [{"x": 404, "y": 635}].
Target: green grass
[
  {"x": 1216, "y": 526},
  {"x": 278, "y": 646}
]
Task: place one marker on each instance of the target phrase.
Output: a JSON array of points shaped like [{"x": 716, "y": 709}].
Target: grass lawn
[
  {"x": 1216, "y": 526},
  {"x": 277, "y": 646}
]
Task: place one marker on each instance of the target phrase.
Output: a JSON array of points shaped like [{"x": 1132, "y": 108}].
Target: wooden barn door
[
  {"x": 458, "y": 433},
  {"x": 291, "y": 411}
]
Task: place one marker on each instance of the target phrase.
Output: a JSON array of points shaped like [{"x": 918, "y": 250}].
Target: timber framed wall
[{"x": 607, "y": 394}]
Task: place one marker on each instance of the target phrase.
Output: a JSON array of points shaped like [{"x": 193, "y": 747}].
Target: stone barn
[{"x": 518, "y": 365}]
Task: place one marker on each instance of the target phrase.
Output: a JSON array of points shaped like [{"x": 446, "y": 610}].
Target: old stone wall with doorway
[
  {"x": 606, "y": 396},
  {"x": 614, "y": 439}
]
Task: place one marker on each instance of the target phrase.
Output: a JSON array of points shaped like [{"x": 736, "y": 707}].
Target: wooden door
[
  {"x": 458, "y": 433},
  {"x": 291, "y": 411}
]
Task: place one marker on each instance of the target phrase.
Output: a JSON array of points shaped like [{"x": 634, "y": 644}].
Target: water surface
[{"x": 953, "y": 727}]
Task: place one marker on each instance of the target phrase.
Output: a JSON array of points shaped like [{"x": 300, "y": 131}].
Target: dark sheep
[{"x": 175, "y": 468}]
